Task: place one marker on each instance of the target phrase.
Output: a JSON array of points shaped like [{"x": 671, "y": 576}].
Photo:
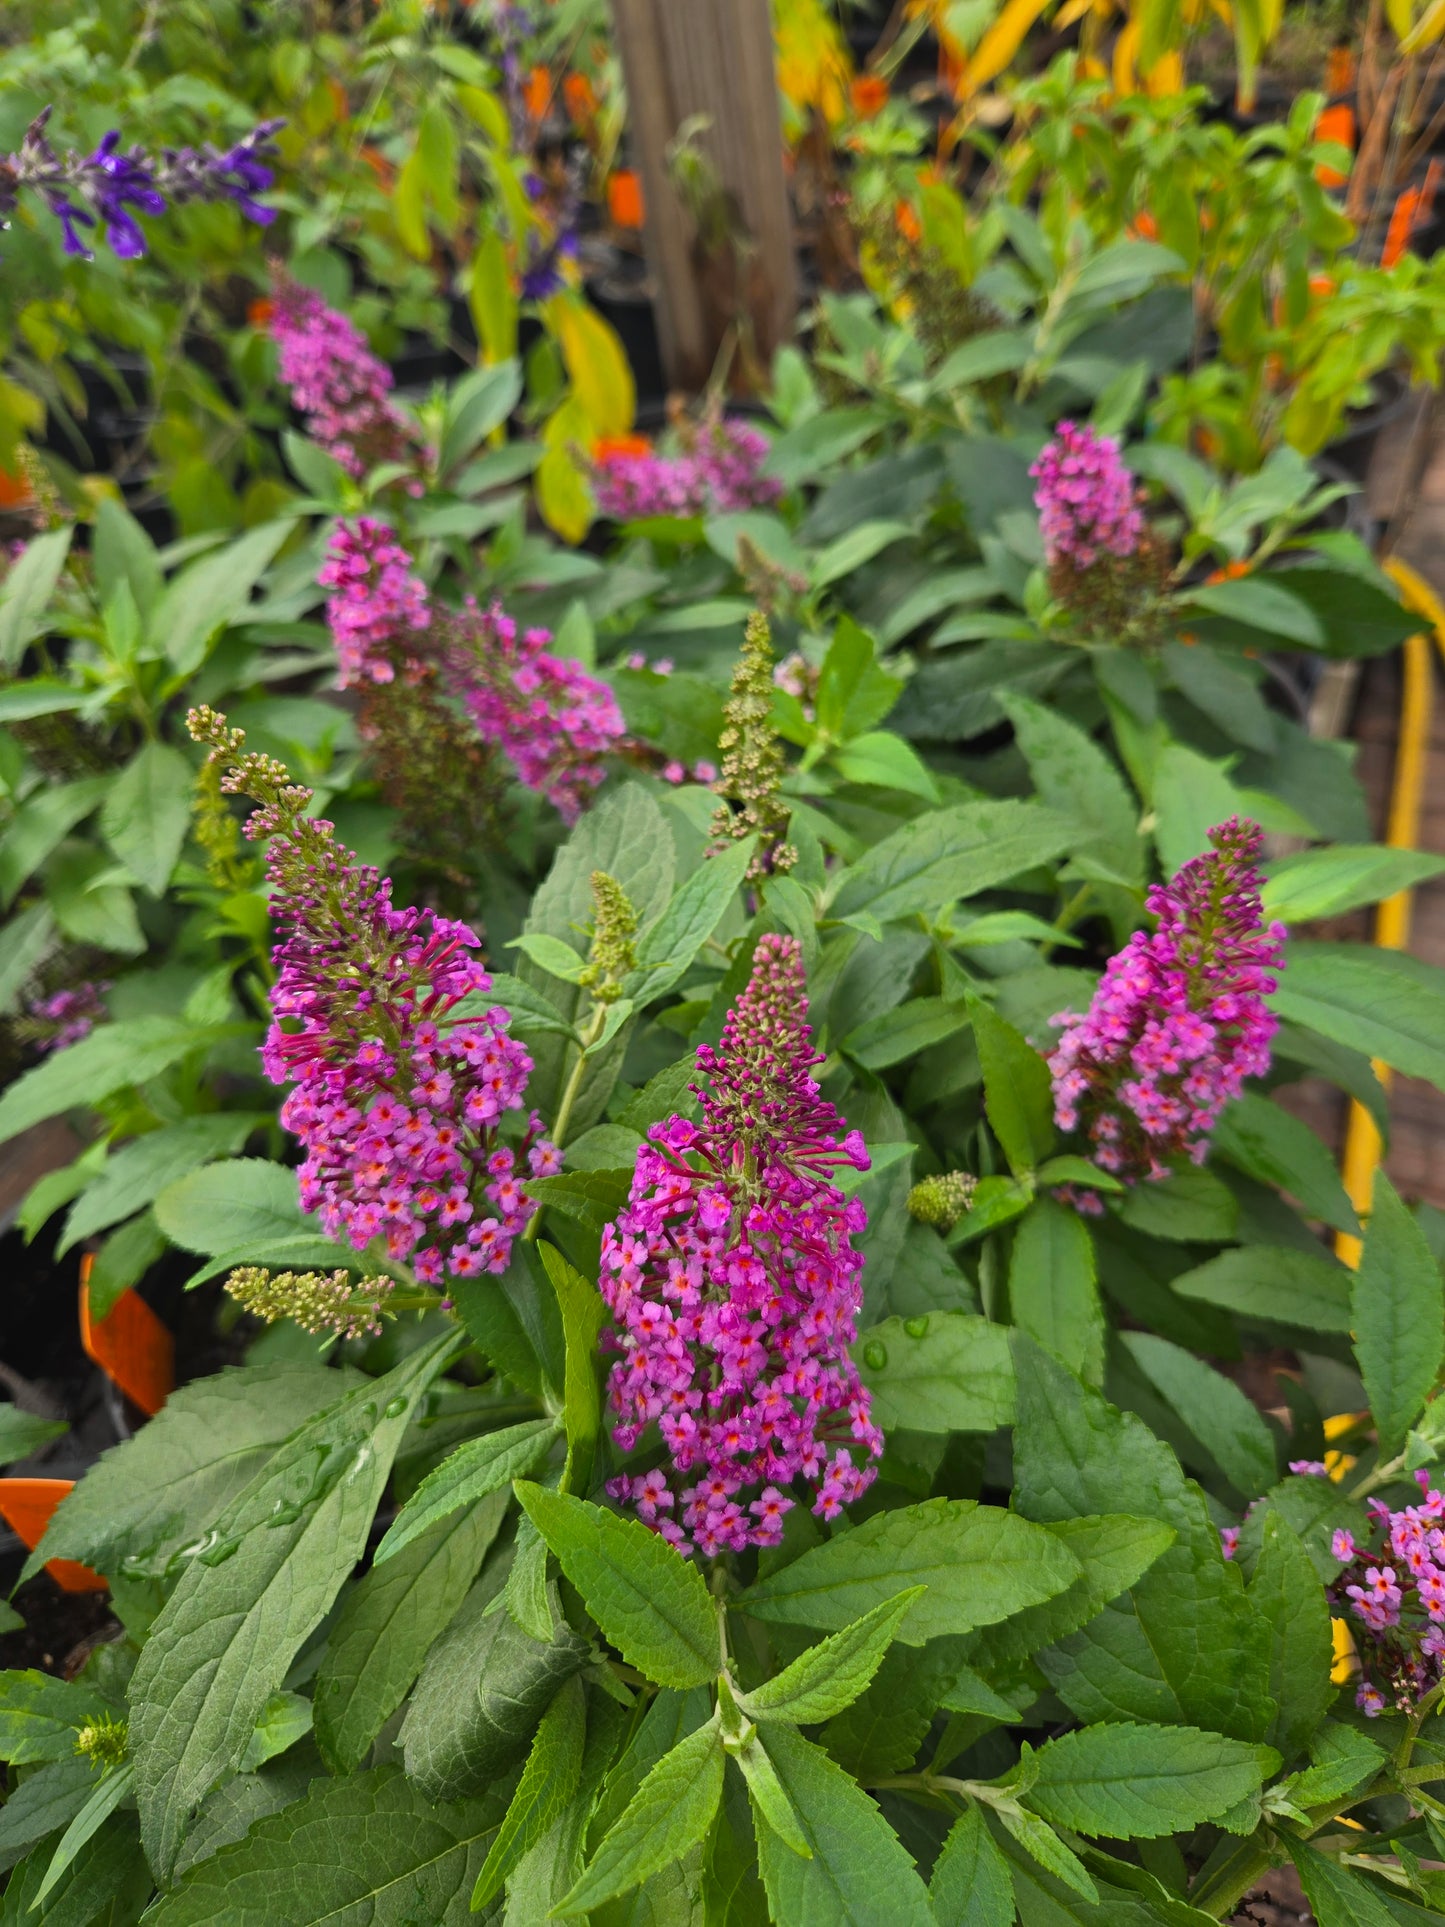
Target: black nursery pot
[
  {"x": 1353, "y": 448},
  {"x": 625, "y": 300}
]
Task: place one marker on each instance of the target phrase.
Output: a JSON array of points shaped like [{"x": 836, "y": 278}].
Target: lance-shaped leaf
[
  {"x": 669, "y": 1813},
  {"x": 831, "y": 1675},
  {"x": 226, "y": 1638},
  {"x": 474, "y": 1470},
  {"x": 1398, "y": 1306},
  {"x": 549, "y": 1779},
  {"x": 970, "y": 1884},
  {"x": 1135, "y": 1782},
  {"x": 652, "y": 1605}
]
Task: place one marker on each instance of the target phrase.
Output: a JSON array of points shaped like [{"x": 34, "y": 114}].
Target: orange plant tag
[
  {"x": 26, "y": 1506},
  {"x": 624, "y": 198},
  {"x": 537, "y": 93},
  {"x": 131, "y": 1345},
  {"x": 15, "y": 489},
  {"x": 1411, "y": 211},
  {"x": 1335, "y": 124},
  {"x": 869, "y": 95}
]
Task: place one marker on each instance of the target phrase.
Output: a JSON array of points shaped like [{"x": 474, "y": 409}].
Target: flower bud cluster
[
  {"x": 1085, "y": 498},
  {"x": 330, "y": 1303},
  {"x": 377, "y": 607},
  {"x": 1179, "y": 1019},
  {"x": 734, "y": 1286},
  {"x": 753, "y": 763},
  {"x": 336, "y": 382}
]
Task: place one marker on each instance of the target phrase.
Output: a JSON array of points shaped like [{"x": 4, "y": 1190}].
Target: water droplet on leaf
[
  {"x": 916, "y": 1327},
  {"x": 875, "y": 1356}
]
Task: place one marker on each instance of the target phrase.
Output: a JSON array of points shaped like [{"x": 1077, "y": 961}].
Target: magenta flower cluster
[
  {"x": 552, "y": 721},
  {"x": 1086, "y": 498},
  {"x": 376, "y": 604},
  {"x": 336, "y": 382},
  {"x": 67, "y": 1016},
  {"x": 398, "y": 1095},
  {"x": 734, "y": 1285},
  {"x": 719, "y": 474},
  {"x": 1178, "y": 1021},
  {"x": 1395, "y": 1595}
]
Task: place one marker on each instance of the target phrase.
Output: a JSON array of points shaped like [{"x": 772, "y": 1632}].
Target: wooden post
[{"x": 712, "y": 58}]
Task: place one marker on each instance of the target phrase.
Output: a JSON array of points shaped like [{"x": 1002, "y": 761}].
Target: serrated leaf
[
  {"x": 1018, "y": 1094},
  {"x": 583, "y": 1314},
  {"x": 239, "y": 1205},
  {"x": 147, "y": 812},
  {"x": 22, "y": 1433},
  {"x": 476, "y": 1469},
  {"x": 1339, "y": 1896},
  {"x": 40, "y": 1716},
  {"x": 1378, "y": 1001},
  {"x": 1042, "y": 1844},
  {"x": 977, "y": 1563},
  {"x": 210, "y": 593},
  {"x": 43, "y": 1803},
  {"x": 1398, "y": 1307},
  {"x": 1073, "y": 776},
  {"x": 1289, "y": 1598},
  {"x": 146, "y": 1504},
  {"x": 946, "y": 855},
  {"x": 1275, "y": 1148},
  {"x": 831, "y": 1675},
  {"x": 970, "y": 1886},
  {"x": 652, "y": 1605},
  {"x": 226, "y": 1638},
  {"x": 947, "y": 1371},
  {"x": 858, "y": 1874},
  {"x": 668, "y": 1814},
  {"x": 132, "y": 1177},
  {"x": 407, "y": 1860},
  {"x": 549, "y": 1779},
  {"x": 669, "y": 946},
  {"x": 1330, "y": 882},
  {"x": 112, "y": 1056},
  {"x": 386, "y": 1627},
  {"x": 1273, "y": 1283},
  {"x": 1213, "y": 1408},
  {"x": 1053, "y": 1287},
  {"x": 1131, "y": 1782}
]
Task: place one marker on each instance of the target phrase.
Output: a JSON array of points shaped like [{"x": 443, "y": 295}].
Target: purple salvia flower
[
  {"x": 1178, "y": 1021},
  {"x": 1394, "y": 1593},
  {"x": 734, "y": 1285},
  {"x": 377, "y": 607},
  {"x": 109, "y": 187},
  {"x": 67, "y": 1016},
  {"x": 336, "y": 382},
  {"x": 398, "y": 1098},
  {"x": 1085, "y": 498}
]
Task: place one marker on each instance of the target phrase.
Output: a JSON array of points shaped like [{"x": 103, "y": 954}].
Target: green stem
[
  {"x": 1231, "y": 1880},
  {"x": 569, "y": 1099}
]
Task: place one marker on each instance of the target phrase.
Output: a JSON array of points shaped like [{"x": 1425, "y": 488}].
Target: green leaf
[
  {"x": 1278, "y": 1149},
  {"x": 650, "y": 1603},
  {"x": 1017, "y": 1090},
  {"x": 895, "y": 1035},
  {"x": 1259, "y": 603},
  {"x": 668, "y": 947},
  {"x": 407, "y": 1860},
  {"x": 583, "y": 1314},
  {"x": 1073, "y": 776},
  {"x": 111, "y": 1057},
  {"x": 147, "y": 812},
  {"x": 477, "y": 405},
  {"x": 1182, "y": 1645},
  {"x": 112, "y": 1789},
  {"x": 528, "y": 1595},
  {"x": 772, "y": 1813},
  {"x": 1273, "y": 1283},
  {"x": 1378, "y": 1001},
  {"x": 475, "y": 1470},
  {"x": 944, "y": 1372},
  {"x": 149, "y": 1499},
  {"x": 858, "y": 1874},
  {"x": 1213, "y": 1408},
  {"x": 1219, "y": 688},
  {"x": 108, "y": 1883},
  {"x": 593, "y": 1198},
  {"x": 381, "y": 1636},
  {"x": 1053, "y": 1287},
  {"x": 668, "y": 1814},
  {"x": 124, "y": 553},
  {"x": 484, "y": 1686},
  {"x": 946, "y": 855},
  {"x": 1114, "y": 1550},
  {"x": 1190, "y": 1206},
  {"x": 978, "y": 1563},
  {"x": 23, "y": 1433},
  {"x": 1043, "y": 1845},
  {"x": 970, "y": 1885},
  {"x": 1191, "y": 795},
  {"x": 88, "y": 908},
  {"x": 212, "y": 593},
  {"x": 831, "y": 1675},
  {"x": 244, "y": 1203},
  {"x": 551, "y": 954},
  {"x": 885, "y": 761},
  {"x": 1338, "y": 1896},
  {"x": 1289, "y": 1598},
  {"x": 44, "y": 1802},
  {"x": 1131, "y": 1782},
  {"x": 850, "y": 551},
  {"x": 1357, "y": 617},
  {"x": 24, "y": 942},
  {"x": 132, "y": 1177},
  {"x": 29, "y": 584},
  {"x": 1397, "y": 1305},
  {"x": 1326, "y": 883},
  {"x": 225, "y": 1639},
  {"x": 40, "y": 1716},
  {"x": 285, "y": 1719},
  {"x": 40, "y": 697},
  {"x": 549, "y": 1779},
  {"x": 40, "y": 824}
]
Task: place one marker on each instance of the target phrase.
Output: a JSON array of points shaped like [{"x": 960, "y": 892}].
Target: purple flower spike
[
  {"x": 1085, "y": 498},
  {"x": 734, "y": 1286},
  {"x": 1179, "y": 1020}
]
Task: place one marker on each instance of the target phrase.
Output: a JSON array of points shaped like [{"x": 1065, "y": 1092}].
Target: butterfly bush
[
  {"x": 1085, "y": 498},
  {"x": 109, "y": 187},
  {"x": 552, "y": 721},
  {"x": 376, "y": 605},
  {"x": 1179, "y": 1019},
  {"x": 734, "y": 1284},
  {"x": 398, "y": 1094},
  {"x": 335, "y": 380},
  {"x": 1393, "y": 1595},
  {"x": 719, "y": 473}
]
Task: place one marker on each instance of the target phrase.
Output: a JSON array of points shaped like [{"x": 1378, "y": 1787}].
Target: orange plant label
[
  {"x": 624, "y": 198},
  {"x": 1335, "y": 124},
  {"x": 130, "y": 1345},
  {"x": 26, "y": 1506}
]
